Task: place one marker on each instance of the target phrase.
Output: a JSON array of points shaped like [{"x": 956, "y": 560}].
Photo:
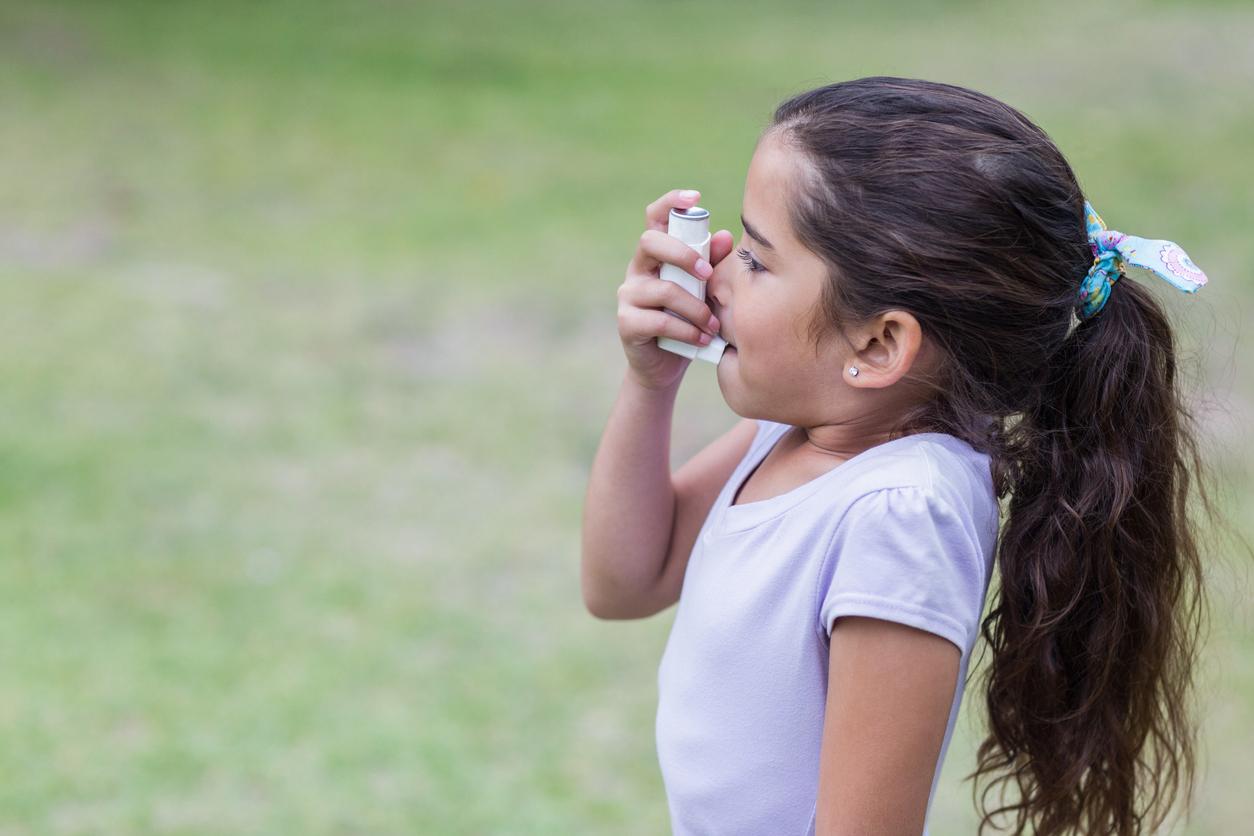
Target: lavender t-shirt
[{"x": 903, "y": 531}]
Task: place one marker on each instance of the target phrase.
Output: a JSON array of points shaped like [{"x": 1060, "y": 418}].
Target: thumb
[{"x": 720, "y": 245}]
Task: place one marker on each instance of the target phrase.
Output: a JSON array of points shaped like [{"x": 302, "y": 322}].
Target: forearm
[{"x": 629, "y": 508}]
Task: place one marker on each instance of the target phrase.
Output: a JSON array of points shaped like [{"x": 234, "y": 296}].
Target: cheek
[
  {"x": 755, "y": 318},
  {"x": 772, "y": 332},
  {"x": 775, "y": 347}
]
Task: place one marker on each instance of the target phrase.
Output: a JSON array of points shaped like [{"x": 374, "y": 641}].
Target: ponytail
[{"x": 1099, "y": 603}]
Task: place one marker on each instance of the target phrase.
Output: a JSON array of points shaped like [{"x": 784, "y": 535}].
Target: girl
[{"x": 927, "y": 319}]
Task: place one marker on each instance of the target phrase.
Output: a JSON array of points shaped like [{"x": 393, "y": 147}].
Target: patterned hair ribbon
[{"x": 1112, "y": 251}]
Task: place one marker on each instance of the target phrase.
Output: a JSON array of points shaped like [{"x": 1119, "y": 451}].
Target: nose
[{"x": 717, "y": 287}]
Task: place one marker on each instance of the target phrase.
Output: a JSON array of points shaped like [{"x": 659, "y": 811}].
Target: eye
[{"x": 749, "y": 260}]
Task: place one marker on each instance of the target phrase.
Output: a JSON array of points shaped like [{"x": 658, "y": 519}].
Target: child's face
[{"x": 774, "y": 372}]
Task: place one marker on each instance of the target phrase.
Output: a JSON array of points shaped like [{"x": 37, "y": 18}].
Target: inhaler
[{"x": 692, "y": 226}]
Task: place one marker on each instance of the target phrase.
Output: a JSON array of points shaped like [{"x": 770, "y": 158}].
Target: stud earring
[{"x": 853, "y": 371}]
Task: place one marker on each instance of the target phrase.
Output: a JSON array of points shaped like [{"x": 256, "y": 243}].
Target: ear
[{"x": 884, "y": 350}]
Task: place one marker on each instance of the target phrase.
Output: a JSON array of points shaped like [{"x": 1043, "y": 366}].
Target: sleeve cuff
[{"x": 849, "y": 603}]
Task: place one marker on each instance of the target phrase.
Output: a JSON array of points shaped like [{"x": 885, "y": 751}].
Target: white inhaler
[{"x": 692, "y": 226}]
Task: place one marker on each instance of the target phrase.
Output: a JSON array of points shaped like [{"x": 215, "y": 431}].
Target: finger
[
  {"x": 721, "y": 245},
  {"x": 681, "y": 329},
  {"x": 657, "y": 213},
  {"x": 657, "y": 247},
  {"x": 657, "y": 293},
  {"x": 654, "y": 323}
]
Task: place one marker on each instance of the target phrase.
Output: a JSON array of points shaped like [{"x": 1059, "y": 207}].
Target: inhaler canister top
[{"x": 692, "y": 226}]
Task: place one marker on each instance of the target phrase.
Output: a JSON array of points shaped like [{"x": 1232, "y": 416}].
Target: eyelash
[{"x": 749, "y": 260}]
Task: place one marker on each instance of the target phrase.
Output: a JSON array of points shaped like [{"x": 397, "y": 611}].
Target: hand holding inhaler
[{"x": 662, "y": 312}]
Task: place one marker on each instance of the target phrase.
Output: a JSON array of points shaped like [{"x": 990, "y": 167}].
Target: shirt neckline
[{"x": 749, "y": 514}]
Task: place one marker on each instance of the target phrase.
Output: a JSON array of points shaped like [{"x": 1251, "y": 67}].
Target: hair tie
[{"x": 1113, "y": 251}]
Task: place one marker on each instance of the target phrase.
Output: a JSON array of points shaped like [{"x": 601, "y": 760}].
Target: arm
[
  {"x": 890, "y": 689},
  {"x": 630, "y": 503},
  {"x": 640, "y": 524}
]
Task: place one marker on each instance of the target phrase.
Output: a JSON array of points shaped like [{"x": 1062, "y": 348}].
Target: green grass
[{"x": 307, "y": 340}]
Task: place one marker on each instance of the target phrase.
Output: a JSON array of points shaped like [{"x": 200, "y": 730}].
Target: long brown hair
[{"x": 954, "y": 206}]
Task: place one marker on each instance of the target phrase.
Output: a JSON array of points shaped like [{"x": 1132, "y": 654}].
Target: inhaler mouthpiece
[{"x": 692, "y": 226}]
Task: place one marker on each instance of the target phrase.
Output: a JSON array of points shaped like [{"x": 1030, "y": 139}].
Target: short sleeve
[{"x": 905, "y": 555}]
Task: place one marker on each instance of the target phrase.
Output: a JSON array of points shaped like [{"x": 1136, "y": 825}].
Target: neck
[{"x": 840, "y": 441}]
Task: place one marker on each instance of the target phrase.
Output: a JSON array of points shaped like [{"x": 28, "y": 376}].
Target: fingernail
[
  {"x": 688, "y": 194},
  {"x": 704, "y": 268},
  {"x": 704, "y": 339},
  {"x": 713, "y": 326}
]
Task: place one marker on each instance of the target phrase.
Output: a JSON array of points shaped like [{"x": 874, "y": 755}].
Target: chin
[{"x": 729, "y": 379}]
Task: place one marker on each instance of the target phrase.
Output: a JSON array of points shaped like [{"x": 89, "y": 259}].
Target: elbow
[
  {"x": 595, "y": 607},
  {"x": 592, "y": 599},
  {"x": 597, "y": 604},
  {"x": 603, "y": 609},
  {"x": 608, "y": 607},
  {"x": 607, "y": 601},
  {"x": 598, "y": 612}
]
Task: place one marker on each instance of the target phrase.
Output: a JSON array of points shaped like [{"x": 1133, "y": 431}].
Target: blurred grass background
[{"x": 307, "y": 339}]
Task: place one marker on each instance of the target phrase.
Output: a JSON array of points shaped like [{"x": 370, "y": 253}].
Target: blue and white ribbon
[{"x": 1112, "y": 251}]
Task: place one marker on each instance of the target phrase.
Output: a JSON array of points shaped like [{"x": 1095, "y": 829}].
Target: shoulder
[
  {"x": 927, "y": 502},
  {"x": 945, "y": 471},
  {"x": 912, "y": 552}
]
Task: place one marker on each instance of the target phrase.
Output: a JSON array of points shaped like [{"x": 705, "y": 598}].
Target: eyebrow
[{"x": 755, "y": 235}]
